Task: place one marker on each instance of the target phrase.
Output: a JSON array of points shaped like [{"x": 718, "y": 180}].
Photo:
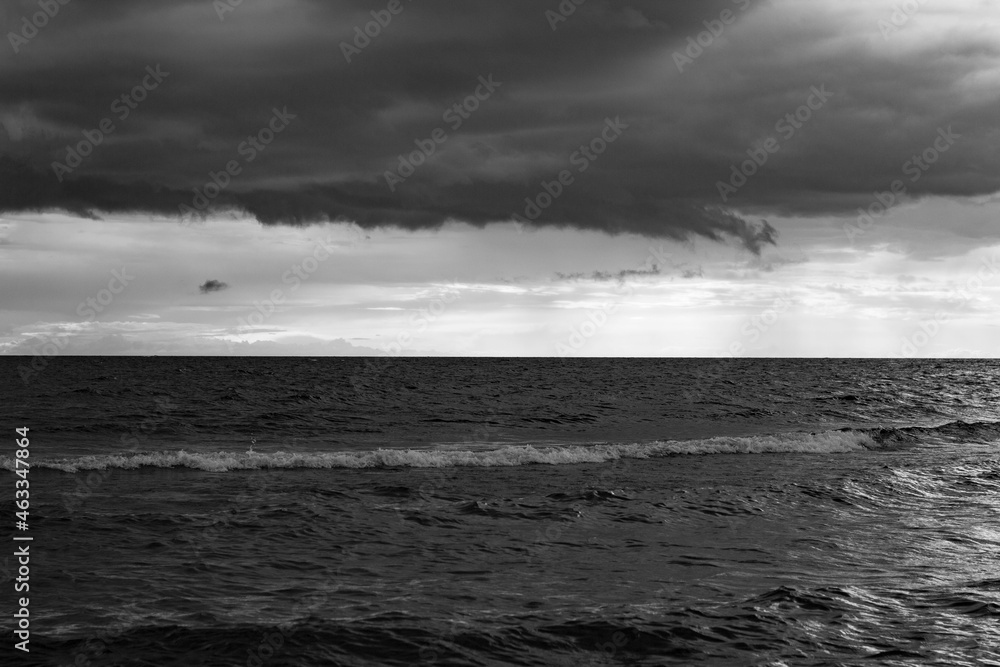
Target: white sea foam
[{"x": 821, "y": 443}]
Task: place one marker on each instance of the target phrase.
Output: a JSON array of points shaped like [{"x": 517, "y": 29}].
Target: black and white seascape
[{"x": 536, "y": 332}]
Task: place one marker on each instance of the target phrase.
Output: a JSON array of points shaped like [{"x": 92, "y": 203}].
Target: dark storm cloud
[
  {"x": 210, "y": 286},
  {"x": 555, "y": 92}
]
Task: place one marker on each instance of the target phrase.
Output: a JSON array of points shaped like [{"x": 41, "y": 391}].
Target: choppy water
[{"x": 532, "y": 512}]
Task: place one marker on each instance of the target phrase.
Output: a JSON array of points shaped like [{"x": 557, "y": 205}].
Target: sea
[{"x": 446, "y": 511}]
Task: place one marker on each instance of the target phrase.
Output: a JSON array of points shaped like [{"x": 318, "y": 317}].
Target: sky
[{"x": 530, "y": 177}]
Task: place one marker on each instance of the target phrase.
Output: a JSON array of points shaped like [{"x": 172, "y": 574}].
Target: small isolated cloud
[{"x": 210, "y": 286}]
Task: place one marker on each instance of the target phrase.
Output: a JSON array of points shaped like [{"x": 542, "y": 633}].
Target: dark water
[{"x": 532, "y": 512}]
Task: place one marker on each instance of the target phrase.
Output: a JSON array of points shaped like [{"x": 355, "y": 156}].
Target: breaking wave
[{"x": 826, "y": 442}]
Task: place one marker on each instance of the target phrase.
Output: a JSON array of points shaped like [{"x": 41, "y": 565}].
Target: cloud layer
[{"x": 259, "y": 110}]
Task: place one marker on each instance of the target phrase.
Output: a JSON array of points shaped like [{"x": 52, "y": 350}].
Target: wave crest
[
  {"x": 221, "y": 461},
  {"x": 826, "y": 442}
]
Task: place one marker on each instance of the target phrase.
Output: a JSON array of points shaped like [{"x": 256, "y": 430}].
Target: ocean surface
[{"x": 508, "y": 511}]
